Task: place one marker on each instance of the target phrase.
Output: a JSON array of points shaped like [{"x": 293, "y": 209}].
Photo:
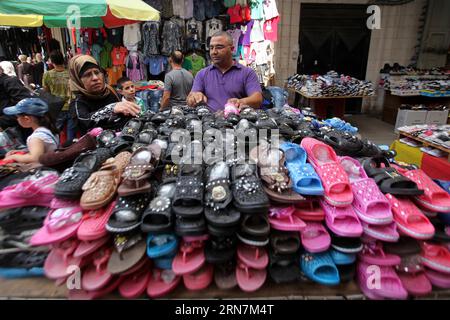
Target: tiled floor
[{"x": 373, "y": 129}]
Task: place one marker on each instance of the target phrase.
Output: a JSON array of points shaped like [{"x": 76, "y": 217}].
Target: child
[
  {"x": 126, "y": 88},
  {"x": 33, "y": 113}
]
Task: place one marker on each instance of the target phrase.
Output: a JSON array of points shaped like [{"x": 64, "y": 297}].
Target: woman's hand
[{"x": 127, "y": 108}]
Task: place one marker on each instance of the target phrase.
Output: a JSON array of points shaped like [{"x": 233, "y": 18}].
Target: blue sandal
[
  {"x": 161, "y": 245},
  {"x": 320, "y": 268},
  {"x": 341, "y": 258},
  {"x": 304, "y": 179}
]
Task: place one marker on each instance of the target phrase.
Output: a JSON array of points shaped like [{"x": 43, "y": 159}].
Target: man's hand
[
  {"x": 10, "y": 153},
  {"x": 127, "y": 108},
  {"x": 196, "y": 98},
  {"x": 234, "y": 101}
]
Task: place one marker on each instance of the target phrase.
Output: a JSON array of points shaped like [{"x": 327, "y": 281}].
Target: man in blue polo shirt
[{"x": 225, "y": 80}]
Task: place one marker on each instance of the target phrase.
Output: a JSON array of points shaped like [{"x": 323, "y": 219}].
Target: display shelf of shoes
[
  {"x": 42, "y": 288},
  {"x": 426, "y": 143}
]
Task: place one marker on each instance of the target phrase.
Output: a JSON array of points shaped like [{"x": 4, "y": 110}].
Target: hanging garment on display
[
  {"x": 118, "y": 55},
  {"x": 213, "y": 8},
  {"x": 156, "y": 64},
  {"x": 150, "y": 34},
  {"x": 246, "y": 13},
  {"x": 257, "y": 9},
  {"x": 236, "y": 35},
  {"x": 229, "y": 3},
  {"x": 131, "y": 36},
  {"x": 167, "y": 10},
  {"x": 271, "y": 29},
  {"x": 115, "y": 36},
  {"x": 246, "y": 32},
  {"x": 199, "y": 10},
  {"x": 95, "y": 51},
  {"x": 194, "y": 63},
  {"x": 194, "y": 31},
  {"x": 183, "y": 8},
  {"x": 114, "y": 74},
  {"x": 257, "y": 33},
  {"x": 155, "y": 4},
  {"x": 135, "y": 66},
  {"x": 171, "y": 38},
  {"x": 270, "y": 9},
  {"x": 235, "y": 14},
  {"x": 105, "y": 55},
  {"x": 212, "y": 26}
]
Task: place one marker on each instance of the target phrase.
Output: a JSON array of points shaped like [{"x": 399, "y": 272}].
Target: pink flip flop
[
  {"x": 417, "y": 284},
  {"x": 135, "y": 284},
  {"x": 254, "y": 257},
  {"x": 93, "y": 225},
  {"x": 59, "y": 225},
  {"x": 334, "y": 178},
  {"x": 37, "y": 192},
  {"x": 387, "y": 233},
  {"x": 282, "y": 218},
  {"x": 90, "y": 295},
  {"x": 315, "y": 237},
  {"x": 410, "y": 220},
  {"x": 390, "y": 285},
  {"x": 96, "y": 276},
  {"x": 438, "y": 279},
  {"x": 436, "y": 257},
  {"x": 190, "y": 258},
  {"x": 161, "y": 283},
  {"x": 309, "y": 211},
  {"x": 373, "y": 253},
  {"x": 249, "y": 279},
  {"x": 342, "y": 221},
  {"x": 59, "y": 259},
  {"x": 434, "y": 198},
  {"x": 85, "y": 248},
  {"x": 369, "y": 202},
  {"x": 199, "y": 279}
]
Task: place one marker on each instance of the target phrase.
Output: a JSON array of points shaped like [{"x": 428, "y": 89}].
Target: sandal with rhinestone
[
  {"x": 188, "y": 200},
  {"x": 219, "y": 250},
  {"x": 248, "y": 191},
  {"x": 158, "y": 217},
  {"x": 127, "y": 213},
  {"x": 131, "y": 130}
]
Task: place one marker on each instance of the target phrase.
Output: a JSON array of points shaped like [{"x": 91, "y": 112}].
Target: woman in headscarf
[
  {"x": 96, "y": 103},
  {"x": 8, "y": 68}
]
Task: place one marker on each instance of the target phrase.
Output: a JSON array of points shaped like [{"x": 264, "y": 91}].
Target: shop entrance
[{"x": 334, "y": 37}]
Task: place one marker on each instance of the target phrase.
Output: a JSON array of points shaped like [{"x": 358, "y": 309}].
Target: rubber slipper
[
  {"x": 284, "y": 268},
  {"x": 123, "y": 261},
  {"x": 309, "y": 211},
  {"x": 436, "y": 257},
  {"x": 189, "y": 259},
  {"x": 416, "y": 283},
  {"x": 94, "y": 222},
  {"x": 387, "y": 233},
  {"x": 85, "y": 248},
  {"x": 438, "y": 279},
  {"x": 161, "y": 245},
  {"x": 403, "y": 247},
  {"x": 320, "y": 268},
  {"x": 282, "y": 218},
  {"x": 97, "y": 275},
  {"x": 410, "y": 220},
  {"x": 248, "y": 279},
  {"x": 162, "y": 282},
  {"x": 390, "y": 285},
  {"x": 90, "y": 295},
  {"x": 253, "y": 257},
  {"x": 59, "y": 259},
  {"x": 340, "y": 258},
  {"x": 165, "y": 262},
  {"x": 373, "y": 253},
  {"x": 225, "y": 275},
  {"x": 342, "y": 221},
  {"x": 346, "y": 245},
  {"x": 283, "y": 242},
  {"x": 347, "y": 272},
  {"x": 199, "y": 279},
  {"x": 135, "y": 284},
  {"x": 315, "y": 237}
]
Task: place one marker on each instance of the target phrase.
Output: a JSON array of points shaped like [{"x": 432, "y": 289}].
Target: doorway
[{"x": 334, "y": 37}]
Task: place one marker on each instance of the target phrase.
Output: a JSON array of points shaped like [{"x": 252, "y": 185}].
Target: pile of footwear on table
[
  {"x": 330, "y": 85},
  {"x": 323, "y": 206}
]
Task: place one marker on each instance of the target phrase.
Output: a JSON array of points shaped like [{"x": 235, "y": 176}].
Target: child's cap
[{"x": 30, "y": 106}]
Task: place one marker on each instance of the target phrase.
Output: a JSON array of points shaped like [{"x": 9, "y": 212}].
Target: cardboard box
[
  {"x": 407, "y": 117},
  {"x": 437, "y": 117}
]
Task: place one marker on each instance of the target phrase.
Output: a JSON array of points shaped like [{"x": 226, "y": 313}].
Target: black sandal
[
  {"x": 188, "y": 200},
  {"x": 127, "y": 213},
  {"x": 157, "y": 218}
]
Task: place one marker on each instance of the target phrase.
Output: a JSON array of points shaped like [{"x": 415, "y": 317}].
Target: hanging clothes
[
  {"x": 212, "y": 26},
  {"x": 131, "y": 36},
  {"x": 150, "y": 34},
  {"x": 194, "y": 31},
  {"x": 171, "y": 38},
  {"x": 135, "y": 66}
]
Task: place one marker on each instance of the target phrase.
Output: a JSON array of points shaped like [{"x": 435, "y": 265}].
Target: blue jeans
[
  {"x": 279, "y": 96},
  {"x": 152, "y": 99},
  {"x": 63, "y": 118}
]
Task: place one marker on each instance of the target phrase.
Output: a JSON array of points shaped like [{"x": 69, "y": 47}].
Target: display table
[
  {"x": 38, "y": 288},
  {"x": 324, "y": 107},
  {"x": 393, "y": 102},
  {"x": 425, "y": 142}
]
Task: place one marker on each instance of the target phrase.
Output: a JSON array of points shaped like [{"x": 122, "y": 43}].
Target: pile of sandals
[{"x": 150, "y": 208}]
